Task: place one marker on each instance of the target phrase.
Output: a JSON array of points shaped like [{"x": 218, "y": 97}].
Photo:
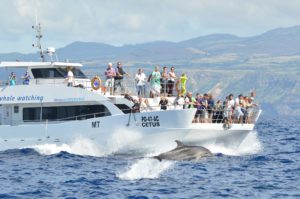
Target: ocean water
[{"x": 266, "y": 165}]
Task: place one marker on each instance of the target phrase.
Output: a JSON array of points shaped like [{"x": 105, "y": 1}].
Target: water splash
[
  {"x": 130, "y": 142},
  {"x": 123, "y": 140},
  {"x": 149, "y": 168},
  {"x": 80, "y": 146},
  {"x": 250, "y": 145},
  {"x": 118, "y": 141}
]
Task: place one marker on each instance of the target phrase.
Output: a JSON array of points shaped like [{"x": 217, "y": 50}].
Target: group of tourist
[
  {"x": 12, "y": 80},
  {"x": 114, "y": 78},
  {"x": 164, "y": 83},
  {"x": 161, "y": 82},
  {"x": 238, "y": 110}
]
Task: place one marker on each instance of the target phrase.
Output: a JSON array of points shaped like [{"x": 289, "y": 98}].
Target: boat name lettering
[
  {"x": 150, "y": 121},
  {"x": 21, "y": 98},
  {"x": 96, "y": 124}
]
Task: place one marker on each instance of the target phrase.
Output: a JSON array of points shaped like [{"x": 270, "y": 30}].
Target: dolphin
[{"x": 184, "y": 152}]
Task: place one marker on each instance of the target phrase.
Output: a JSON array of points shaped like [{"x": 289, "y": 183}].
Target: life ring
[{"x": 96, "y": 83}]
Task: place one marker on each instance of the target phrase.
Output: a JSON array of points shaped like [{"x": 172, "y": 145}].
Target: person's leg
[
  {"x": 116, "y": 84},
  {"x": 122, "y": 86},
  {"x": 140, "y": 91},
  {"x": 112, "y": 84},
  {"x": 171, "y": 88},
  {"x": 143, "y": 91}
]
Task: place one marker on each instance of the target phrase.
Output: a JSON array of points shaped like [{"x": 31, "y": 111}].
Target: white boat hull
[{"x": 141, "y": 130}]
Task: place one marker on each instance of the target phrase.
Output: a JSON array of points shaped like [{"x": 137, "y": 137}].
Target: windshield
[
  {"x": 56, "y": 73},
  {"x": 76, "y": 71}
]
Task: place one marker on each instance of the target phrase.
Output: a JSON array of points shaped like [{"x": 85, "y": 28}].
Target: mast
[{"x": 39, "y": 36}]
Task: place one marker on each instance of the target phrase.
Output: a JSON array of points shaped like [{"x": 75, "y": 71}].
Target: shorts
[
  {"x": 109, "y": 83},
  {"x": 200, "y": 113}
]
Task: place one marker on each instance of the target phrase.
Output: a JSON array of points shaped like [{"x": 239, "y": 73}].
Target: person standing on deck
[
  {"x": 164, "y": 80},
  {"x": 26, "y": 78},
  {"x": 141, "y": 79},
  {"x": 119, "y": 78},
  {"x": 171, "y": 81},
  {"x": 110, "y": 74},
  {"x": 12, "y": 79},
  {"x": 183, "y": 80},
  {"x": 155, "y": 82}
]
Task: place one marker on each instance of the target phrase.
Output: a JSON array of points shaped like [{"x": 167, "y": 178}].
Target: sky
[{"x": 121, "y": 22}]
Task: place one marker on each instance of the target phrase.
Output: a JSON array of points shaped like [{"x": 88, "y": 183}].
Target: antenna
[{"x": 38, "y": 36}]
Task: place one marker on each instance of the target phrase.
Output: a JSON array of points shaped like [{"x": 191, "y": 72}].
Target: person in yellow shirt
[{"x": 183, "y": 80}]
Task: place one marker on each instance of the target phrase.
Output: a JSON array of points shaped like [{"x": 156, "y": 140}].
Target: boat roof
[{"x": 17, "y": 64}]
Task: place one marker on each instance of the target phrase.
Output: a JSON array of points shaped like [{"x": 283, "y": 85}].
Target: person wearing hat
[{"x": 119, "y": 78}]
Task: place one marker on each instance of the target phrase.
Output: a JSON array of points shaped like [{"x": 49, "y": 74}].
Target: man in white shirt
[
  {"x": 141, "y": 79},
  {"x": 238, "y": 110},
  {"x": 230, "y": 107},
  {"x": 70, "y": 77}
]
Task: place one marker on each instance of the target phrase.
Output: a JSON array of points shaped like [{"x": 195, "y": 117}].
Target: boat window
[
  {"x": 124, "y": 108},
  {"x": 76, "y": 71},
  {"x": 47, "y": 73},
  {"x": 31, "y": 114},
  {"x": 16, "y": 109},
  {"x": 62, "y": 113}
]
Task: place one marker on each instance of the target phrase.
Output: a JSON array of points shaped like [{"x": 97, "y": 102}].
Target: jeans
[
  {"x": 119, "y": 82},
  {"x": 141, "y": 90}
]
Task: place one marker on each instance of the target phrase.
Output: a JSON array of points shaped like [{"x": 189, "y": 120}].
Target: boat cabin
[{"x": 46, "y": 73}]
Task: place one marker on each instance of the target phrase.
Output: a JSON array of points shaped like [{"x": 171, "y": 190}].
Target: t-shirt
[
  {"x": 172, "y": 76},
  {"x": 163, "y": 104},
  {"x": 230, "y": 104},
  {"x": 70, "y": 76},
  {"x": 121, "y": 72},
  {"x": 155, "y": 79},
  {"x": 140, "y": 79},
  {"x": 110, "y": 73}
]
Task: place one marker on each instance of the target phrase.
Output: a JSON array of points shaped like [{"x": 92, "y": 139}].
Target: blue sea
[{"x": 266, "y": 165}]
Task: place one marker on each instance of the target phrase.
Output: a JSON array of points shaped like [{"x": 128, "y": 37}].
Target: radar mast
[{"x": 39, "y": 36}]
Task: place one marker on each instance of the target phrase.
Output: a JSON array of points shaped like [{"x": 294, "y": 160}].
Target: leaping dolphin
[{"x": 184, "y": 152}]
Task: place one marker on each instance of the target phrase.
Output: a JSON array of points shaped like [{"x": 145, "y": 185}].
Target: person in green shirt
[{"x": 155, "y": 82}]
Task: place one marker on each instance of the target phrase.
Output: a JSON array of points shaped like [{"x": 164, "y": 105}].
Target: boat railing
[
  {"x": 129, "y": 85},
  {"x": 204, "y": 116}
]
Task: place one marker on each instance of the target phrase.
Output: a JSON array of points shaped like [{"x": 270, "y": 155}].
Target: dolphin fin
[{"x": 179, "y": 144}]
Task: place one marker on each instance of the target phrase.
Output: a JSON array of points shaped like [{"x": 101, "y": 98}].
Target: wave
[
  {"x": 133, "y": 144},
  {"x": 250, "y": 145}
]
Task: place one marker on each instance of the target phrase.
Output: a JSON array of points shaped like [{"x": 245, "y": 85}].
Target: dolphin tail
[{"x": 158, "y": 158}]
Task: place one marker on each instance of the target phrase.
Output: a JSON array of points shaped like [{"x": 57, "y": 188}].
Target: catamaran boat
[{"x": 46, "y": 110}]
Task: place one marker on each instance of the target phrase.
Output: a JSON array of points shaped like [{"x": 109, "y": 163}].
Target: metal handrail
[
  {"x": 251, "y": 119},
  {"x": 210, "y": 115},
  {"x": 129, "y": 84}
]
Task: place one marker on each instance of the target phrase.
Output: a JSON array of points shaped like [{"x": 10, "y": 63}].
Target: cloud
[{"x": 134, "y": 21}]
